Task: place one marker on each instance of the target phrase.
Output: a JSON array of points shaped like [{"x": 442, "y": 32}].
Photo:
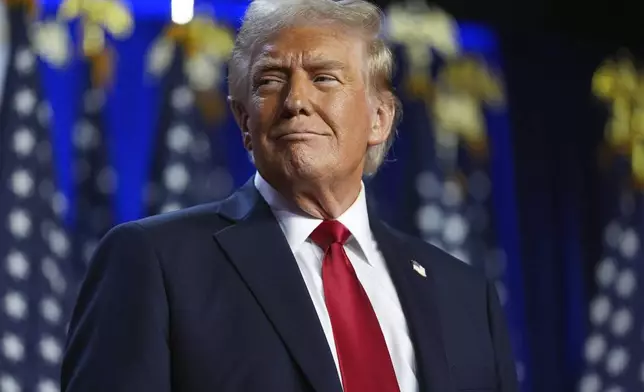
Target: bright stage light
[{"x": 182, "y": 11}]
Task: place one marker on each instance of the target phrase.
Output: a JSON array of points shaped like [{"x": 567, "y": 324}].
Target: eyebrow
[{"x": 273, "y": 64}]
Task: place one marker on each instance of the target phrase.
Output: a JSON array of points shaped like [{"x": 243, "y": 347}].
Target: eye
[
  {"x": 267, "y": 83},
  {"x": 324, "y": 79}
]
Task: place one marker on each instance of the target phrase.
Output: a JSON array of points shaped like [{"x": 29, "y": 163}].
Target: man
[{"x": 291, "y": 284}]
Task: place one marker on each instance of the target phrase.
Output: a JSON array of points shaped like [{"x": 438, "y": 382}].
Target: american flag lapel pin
[{"x": 420, "y": 270}]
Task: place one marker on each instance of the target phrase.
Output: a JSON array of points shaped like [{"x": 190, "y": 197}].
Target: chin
[
  {"x": 305, "y": 170},
  {"x": 307, "y": 166},
  {"x": 299, "y": 161}
]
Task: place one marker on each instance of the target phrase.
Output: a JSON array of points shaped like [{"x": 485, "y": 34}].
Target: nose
[{"x": 298, "y": 100}]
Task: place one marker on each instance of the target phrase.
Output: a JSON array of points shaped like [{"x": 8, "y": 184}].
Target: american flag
[
  {"x": 614, "y": 348},
  {"x": 95, "y": 179},
  {"x": 36, "y": 279},
  {"x": 189, "y": 167},
  {"x": 454, "y": 188},
  {"x": 455, "y": 214}
]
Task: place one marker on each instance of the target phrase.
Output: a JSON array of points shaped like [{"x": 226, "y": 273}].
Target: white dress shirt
[{"x": 370, "y": 268}]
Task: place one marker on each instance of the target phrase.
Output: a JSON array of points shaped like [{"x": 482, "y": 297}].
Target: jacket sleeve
[
  {"x": 505, "y": 367},
  {"x": 118, "y": 334}
]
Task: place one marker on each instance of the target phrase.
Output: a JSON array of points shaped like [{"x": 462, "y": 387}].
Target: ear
[
  {"x": 241, "y": 117},
  {"x": 383, "y": 119}
]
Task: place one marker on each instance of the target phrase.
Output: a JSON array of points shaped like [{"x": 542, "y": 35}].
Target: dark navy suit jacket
[{"x": 210, "y": 299}]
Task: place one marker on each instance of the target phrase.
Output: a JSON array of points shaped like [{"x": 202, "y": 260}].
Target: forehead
[{"x": 301, "y": 45}]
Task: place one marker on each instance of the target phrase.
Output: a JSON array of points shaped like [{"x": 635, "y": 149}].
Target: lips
[{"x": 296, "y": 134}]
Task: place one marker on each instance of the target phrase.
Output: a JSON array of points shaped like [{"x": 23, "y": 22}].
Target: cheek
[
  {"x": 356, "y": 122},
  {"x": 258, "y": 108},
  {"x": 348, "y": 111},
  {"x": 260, "y": 115}
]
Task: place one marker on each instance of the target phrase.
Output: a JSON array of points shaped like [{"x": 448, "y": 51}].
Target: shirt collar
[{"x": 298, "y": 226}]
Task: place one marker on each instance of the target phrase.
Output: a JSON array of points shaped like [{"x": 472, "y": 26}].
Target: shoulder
[
  {"x": 168, "y": 233},
  {"x": 180, "y": 223},
  {"x": 157, "y": 243}
]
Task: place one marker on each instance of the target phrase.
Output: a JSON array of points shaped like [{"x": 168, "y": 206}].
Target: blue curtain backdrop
[
  {"x": 558, "y": 127},
  {"x": 539, "y": 169}
]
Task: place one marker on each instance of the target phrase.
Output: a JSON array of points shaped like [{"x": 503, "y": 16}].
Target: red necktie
[{"x": 364, "y": 360}]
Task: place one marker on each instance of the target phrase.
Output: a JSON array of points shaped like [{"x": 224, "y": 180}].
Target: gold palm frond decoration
[
  {"x": 207, "y": 46},
  {"x": 618, "y": 83},
  {"x": 421, "y": 30},
  {"x": 98, "y": 18},
  {"x": 465, "y": 87},
  {"x": 203, "y": 36},
  {"x": 468, "y": 75},
  {"x": 49, "y": 40}
]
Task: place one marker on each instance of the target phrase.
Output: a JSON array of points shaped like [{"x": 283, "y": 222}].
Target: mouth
[{"x": 305, "y": 135}]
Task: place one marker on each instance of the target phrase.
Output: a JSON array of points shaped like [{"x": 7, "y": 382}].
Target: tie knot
[{"x": 330, "y": 232}]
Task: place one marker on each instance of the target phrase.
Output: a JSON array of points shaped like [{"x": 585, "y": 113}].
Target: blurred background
[{"x": 521, "y": 152}]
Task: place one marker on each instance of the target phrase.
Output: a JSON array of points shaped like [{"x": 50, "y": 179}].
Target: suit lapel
[
  {"x": 417, "y": 299},
  {"x": 256, "y": 246}
]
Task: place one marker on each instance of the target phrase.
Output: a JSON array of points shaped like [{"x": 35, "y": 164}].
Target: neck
[
  {"x": 326, "y": 203},
  {"x": 326, "y": 200}
]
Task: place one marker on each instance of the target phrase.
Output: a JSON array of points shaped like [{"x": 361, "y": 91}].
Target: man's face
[{"x": 308, "y": 114}]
